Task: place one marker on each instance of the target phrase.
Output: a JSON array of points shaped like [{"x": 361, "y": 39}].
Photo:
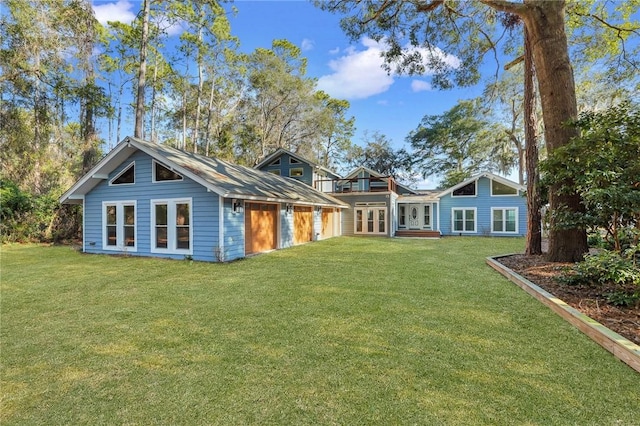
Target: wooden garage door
[
  {"x": 261, "y": 227},
  {"x": 327, "y": 223},
  {"x": 302, "y": 224}
]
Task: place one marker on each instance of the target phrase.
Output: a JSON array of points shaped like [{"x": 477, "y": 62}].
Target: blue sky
[{"x": 392, "y": 105}]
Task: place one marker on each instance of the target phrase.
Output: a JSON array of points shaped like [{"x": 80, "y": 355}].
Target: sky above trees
[{"x": 389, "y": 104}]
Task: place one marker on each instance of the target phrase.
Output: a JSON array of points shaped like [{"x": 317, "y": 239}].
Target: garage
[
  {"x": 302, "y": 224},
  {"x": 261, "y": 227},
  {"x": 328, "y": 224}
]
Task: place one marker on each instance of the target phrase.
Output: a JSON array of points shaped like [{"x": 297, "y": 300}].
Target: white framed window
[
  {"x": 296, "y": 172},
  {"x": 501, "y": 190},
  {"x": 126, "y": 177},
  {"x": 172, "y": 226},
  {"x": 370, "y": 220},
  {"x": 402, "y": 219},
  {"x": 426, "y": 218},
  {"x": 504, "y": 220},
  {"x": 162, "y": 173},
  {"x": 294, "y": 161},
  {"x": 464, "y": 220},
  {"x": 274, "y": 171},
  {"x": 468, "y": 190},
  {"x": 275, "y": 163},
  {"x": 119, "y": 226}
]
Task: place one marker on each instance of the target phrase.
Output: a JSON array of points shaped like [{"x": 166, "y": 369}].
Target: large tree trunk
[
  {"x": 534, "y": 218},
  {"x": 142, "y": 72},
  {"x": 545, "y": 22}
]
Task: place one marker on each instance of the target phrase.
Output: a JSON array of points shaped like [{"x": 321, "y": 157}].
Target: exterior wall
[
  {"x": 317, "y": 224},
  {"x": 204, "y": 209},
  {"x": 408, "y": 203},
  {"x": 483, "y": 202},
  {"x": 286, "y": 227},
  {"x": 233, "y": 231},
  {"x": 347, "y": 217},
  {"x": 285, "y": 167}
]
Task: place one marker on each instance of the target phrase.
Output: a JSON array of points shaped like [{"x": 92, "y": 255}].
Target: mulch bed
[{"x": 588, "y": 300}]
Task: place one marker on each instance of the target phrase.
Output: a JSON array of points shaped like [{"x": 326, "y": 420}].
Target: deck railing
[{"x": 368, "y": 184}]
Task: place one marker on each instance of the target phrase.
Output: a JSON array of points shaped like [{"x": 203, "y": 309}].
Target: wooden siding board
[
  {"x": 483, "y": 202},
  {"x": 204, "y": 210}
]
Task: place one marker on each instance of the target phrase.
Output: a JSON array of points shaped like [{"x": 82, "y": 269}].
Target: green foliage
[
  {"x": 617, "y": 275},
  {"x": 603, "y": 163},
  {"x": 26, "y": 217},
  {"x": 457, "y": 144}
]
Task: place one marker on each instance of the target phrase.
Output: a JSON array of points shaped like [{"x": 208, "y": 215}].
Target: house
[
  {"x": 485, "y": 204},
  {"x": 148, "y": 199}
]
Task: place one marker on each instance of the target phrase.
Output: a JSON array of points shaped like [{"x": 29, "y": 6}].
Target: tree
[
  {"x": 336, "y": 129},
  {"x": 379, "y": 156},
  {"x": 138, "y": 131},
  {"x": 604, "y": 161},
  {"x": 427, "y": 27},
  {"x": 457, "y": 144}
]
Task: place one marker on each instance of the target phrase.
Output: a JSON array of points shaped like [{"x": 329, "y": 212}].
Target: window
[
  {"x": 504, "y": 220},
  {"x": 119, "y": 225},
  {"x": 498, "y": 189},
  {"x": 162, "y": 173},
  {"x": 294, "y": 161},
  {"x": 427, "y": 216},
  {"x": 275, "y": 163},
  {"x": 275, "y": 171},
  {"x": 296, "y": 172},
  {"x": 401, "y": 215},
  {"x": 469, "y": 190},
  {"x": 172, "y": 230},
  {"x": 464, "y": 220},
  {"x": 371, "y": 220},
  {"x": 126, "y": 177}
]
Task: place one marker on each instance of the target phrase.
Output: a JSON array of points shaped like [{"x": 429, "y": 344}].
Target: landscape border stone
[{"x": 622, "y": 348}]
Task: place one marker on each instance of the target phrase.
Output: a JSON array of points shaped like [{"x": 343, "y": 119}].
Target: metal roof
[{"x": 221, "y": 177}]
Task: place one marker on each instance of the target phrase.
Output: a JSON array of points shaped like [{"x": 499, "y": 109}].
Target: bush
[
  {"x": 24, "y": 217},
  {"x": 617, "y": 274}
]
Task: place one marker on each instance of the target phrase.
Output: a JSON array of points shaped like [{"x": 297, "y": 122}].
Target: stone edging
[{"x": 622, "y": 348}]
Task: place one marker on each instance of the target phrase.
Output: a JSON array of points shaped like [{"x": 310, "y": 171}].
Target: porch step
[{"x": 417, "y": 233}]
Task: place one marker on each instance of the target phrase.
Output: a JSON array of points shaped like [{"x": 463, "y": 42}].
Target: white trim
[
  {"x": 277, "y": 162},
  {"x": 131, "y": 164},
  {"x": 504, "y": 220},
  {"x": 119, "y": 205},
  {"x": 295, "y": 160},
  {"x": 365, "y": 220},
  {"x": 155, "y": 162},
  {"x": 437, "y": 209},
  {"x": 221, "y": 224},
  {"x": 475, "y": 182},
  {"x": 477, "y": 177},
  {"x": 475, "y": 220},
  {"x": 171, "y": 228},
  {"x": 84, "y": 226},
  {"x": 502, "y": 195},
  {"x": 296, "y": 168}
]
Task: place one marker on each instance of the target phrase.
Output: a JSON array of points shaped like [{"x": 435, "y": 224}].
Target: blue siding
[
  {"x": 233, "y": 231},
  {"x": 285, "y": 168},
  {"x": 205, "y": 211},
  {"x": 483, "y": 202},
  {"x": 286, "y": 227}
]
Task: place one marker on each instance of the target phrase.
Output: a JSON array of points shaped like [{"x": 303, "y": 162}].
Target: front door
[{"x": 414, "y": 216}]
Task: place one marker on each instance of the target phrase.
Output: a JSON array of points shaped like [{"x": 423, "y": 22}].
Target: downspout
[{"x": 221, "y": 229}]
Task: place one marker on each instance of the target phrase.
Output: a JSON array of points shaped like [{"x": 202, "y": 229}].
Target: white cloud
[
  {"x": 334, "y": 51},
  {"x": 120, "y": 12},
  {"x": 307, "y": 44},
  {"x": 358, "y": 74},
  {"x": 420, "y": 86}
]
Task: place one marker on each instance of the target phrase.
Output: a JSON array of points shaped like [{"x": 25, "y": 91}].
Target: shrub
[{"x": 617, "y": 274}]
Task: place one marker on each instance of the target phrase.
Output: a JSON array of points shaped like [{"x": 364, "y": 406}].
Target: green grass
[{"x": 344, "y": 331}]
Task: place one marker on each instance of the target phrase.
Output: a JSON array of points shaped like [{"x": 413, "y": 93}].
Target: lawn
[{"x": 344, "y": 331}]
